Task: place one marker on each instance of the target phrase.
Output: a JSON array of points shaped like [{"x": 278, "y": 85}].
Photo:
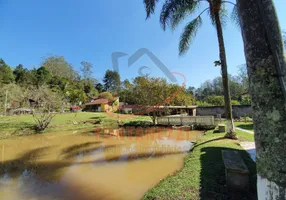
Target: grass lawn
[
  {"x": 243, "y": 125},
  {"x": 243, "y": 136},
  {"x": 63, "y": 122},
  {"x": 203, "y": 174}
]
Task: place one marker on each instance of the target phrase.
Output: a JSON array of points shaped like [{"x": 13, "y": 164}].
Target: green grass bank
[{"x": 203, "y": 174}]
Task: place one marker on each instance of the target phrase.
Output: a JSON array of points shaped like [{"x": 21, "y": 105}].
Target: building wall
[
  {"x": 115, "y": 105},
  {"x": 127, "y": 110},
  {"x": 237, "y": 111},
  {"x": 91, "y": 108},
  {"x": 104, "y": 107}
]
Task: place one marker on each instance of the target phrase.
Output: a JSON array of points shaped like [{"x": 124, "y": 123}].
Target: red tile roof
[{"x": 98, "y": 102}]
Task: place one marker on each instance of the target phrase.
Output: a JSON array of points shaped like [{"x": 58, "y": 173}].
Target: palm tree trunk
[
  {"x": 227, "y": 100},
  {"x": 266, "y": 66}
]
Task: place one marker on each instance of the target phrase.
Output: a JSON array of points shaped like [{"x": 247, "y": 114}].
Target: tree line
[
  {"x": 54, "y": 76},
  {"x": 210, "y": 93},
  {"x": 58, "y": 80}
]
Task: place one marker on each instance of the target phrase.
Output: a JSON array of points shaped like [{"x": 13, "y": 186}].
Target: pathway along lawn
[{"x": 203, "y": 174}]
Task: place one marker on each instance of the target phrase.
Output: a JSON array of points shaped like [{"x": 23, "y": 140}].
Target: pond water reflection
[{"x": 89, "y": 166}]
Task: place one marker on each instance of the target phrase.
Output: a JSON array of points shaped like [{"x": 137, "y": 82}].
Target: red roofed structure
[
  {"x": 99, "y": 101},
  {"x": 101, "y": 105}
]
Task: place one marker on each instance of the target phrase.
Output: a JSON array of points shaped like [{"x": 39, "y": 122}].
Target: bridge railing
[{"x": 186, "y": 120}]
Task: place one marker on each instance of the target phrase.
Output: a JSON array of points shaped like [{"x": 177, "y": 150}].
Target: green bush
[{"x": 235, "y": 102}]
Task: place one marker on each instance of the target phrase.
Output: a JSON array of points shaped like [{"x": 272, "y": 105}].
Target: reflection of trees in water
[
  {"x": 30, "y": 164},
  {"x": 112, "y": 152}
]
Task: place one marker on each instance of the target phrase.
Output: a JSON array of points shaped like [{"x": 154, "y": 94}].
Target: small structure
[
  {"x": 221, "y": 128},
  {"x": 127, "y": 109},
  {"x": 245, "y": 95},
  {"x": 204, "y": 121},
  {"x": 75, "y": 109},
  {"x": 102, "y": 105},
  {"x": 22, "y": 111},
  {"x": 238, "y": 111},
  {"x": 235, "y": 170},
  {"x": 174, "y": 110},
  {"x": 160, "y": 110}
]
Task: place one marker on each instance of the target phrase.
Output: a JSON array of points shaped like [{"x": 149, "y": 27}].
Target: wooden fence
[{"x": 186, "y": 120}]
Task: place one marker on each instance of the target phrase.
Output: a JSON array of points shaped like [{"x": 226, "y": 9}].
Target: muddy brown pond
[{"x": 83, "y": 165}]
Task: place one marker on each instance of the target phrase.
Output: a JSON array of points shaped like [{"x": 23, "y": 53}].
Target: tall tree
[
  {"x": 25, "y": 77},
  {"x": 149, "y": 92},
  {"x": 266, "y": 66},
  {"x": 191, "y": 90},
  {"x": 243, "y": 77},
  {"x": 6, "y": 73},
  {"x": 126, "y": 84},
  {"x": 180, "y": 96},
  {"x": 43, "y": 76},
  {"x": 86, "y": 69},
  {"x": 76, "y": 96},
  {"x": 237, "y": 84},
  {"x": 111, "y": 81},
  {"x": 89, "y": 88},
  {"x": 99, "y": 87},
  {"x": 146, "y": 91},
  {"x": 175, "y": 11},
  {"x": 89, "y": 82},
  {"x": 58, "y": 66},
  {"x": 19, "y": 73}
]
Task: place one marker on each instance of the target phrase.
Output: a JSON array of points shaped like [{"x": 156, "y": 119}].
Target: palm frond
[
  {"x": 223, "y": 14},
  {"x": 188, "y": 34},
  {"x": 234, "y": 16},
  {"x": 212, "y": 15},
  {"x": 173, "y": 12},
  {"x": 150, "y": 6},
  {"x": 180, "y": 14}
]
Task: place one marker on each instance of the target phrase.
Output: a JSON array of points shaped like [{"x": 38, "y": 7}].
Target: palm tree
[
  {"x": 266, "y": 66},
  {"x": 175, "y": 11}
]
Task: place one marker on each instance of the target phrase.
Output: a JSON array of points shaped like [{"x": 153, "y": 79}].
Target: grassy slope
[
  {"x": 61, "y": 122},
  {"x": 203, "y": 175}
]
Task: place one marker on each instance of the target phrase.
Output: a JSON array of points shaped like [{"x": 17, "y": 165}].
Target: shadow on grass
[
  {"x": 213, "y": 180},
  {"x": 98, "y": 117},
  {"x": 208, "y": 141},
  {"x": 246, "y": 126}
]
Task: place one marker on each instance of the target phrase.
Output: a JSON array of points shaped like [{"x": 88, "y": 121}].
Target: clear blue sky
[{"x": 90, "y": 30}]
